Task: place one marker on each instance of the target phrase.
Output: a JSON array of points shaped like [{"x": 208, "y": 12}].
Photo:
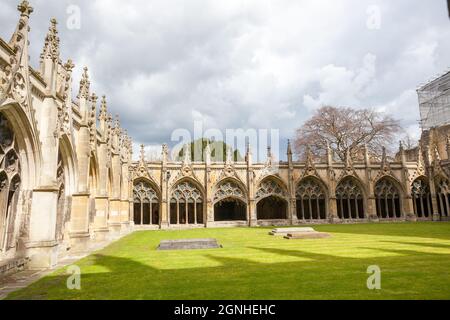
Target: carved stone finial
[
  {"x": 103, "y": 115},
  {"x": 25, "y": 8},
  {"x": 142, "y": 154},
  {"x": 51, "y": 46},
  {"x": 84, "y": 84},
  {"x": 289, "y": 148},
  {"x": 69, "y": 65}
]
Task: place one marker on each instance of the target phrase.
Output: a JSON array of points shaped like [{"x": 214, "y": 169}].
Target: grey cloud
[{"x": 245, "y": 64}]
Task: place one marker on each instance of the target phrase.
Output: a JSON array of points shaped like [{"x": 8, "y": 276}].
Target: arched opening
[
  {"x": 349, "y": 200},
  {"x": 271, "y": 201},
  {"x": 10, "y": 183},
  {"x": 311, "y": 200},
  {"x": 272, "y": 208},
  {"x": 146, "y": 204},
  {"x": 421, "y": 196},
  {"x": 186, "y": 204},
  {"x": 230, "y": 209},
  {"x": 387, "y": 199},
  {"x": 229, "y": 202},
  {"x": 443, "y": 197}
]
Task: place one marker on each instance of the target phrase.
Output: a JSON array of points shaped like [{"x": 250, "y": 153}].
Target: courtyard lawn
[{"x": 414, "y": 259}]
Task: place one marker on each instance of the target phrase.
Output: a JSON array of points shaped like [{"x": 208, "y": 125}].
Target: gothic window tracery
[
  {"x": 146, "y": 204},
  {"x": 269, "y": 188},
  {"x": 271, "y": 201},
  {"x": 186, "y": 204},
  {"x": 10, "y": 183},
  {"x": 387, "y": 198},
  {"x": 349, "y": 200},
  {"x": 421, "y": 195},
  {"x": 229, "y": 202},
  {"x": 443, "y": 197},
  {"x": 311, "y": 200}
]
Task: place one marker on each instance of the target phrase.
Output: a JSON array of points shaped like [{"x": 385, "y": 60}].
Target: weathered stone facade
[
  {"x": 67, "y": 179},
  {"x": 63, "y": 164}
]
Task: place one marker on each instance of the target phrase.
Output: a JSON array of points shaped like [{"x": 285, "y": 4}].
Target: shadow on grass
[{"x": 321, "y": 276}]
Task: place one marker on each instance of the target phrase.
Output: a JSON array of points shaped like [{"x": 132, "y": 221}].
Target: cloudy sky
[{"x": 245, "y": 63}]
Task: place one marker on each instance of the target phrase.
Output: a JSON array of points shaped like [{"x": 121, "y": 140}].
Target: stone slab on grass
[
  {"x": 285, "y": 231},
  {"x": 189, "y": 244},
  {"x": 307, "y": 235}
]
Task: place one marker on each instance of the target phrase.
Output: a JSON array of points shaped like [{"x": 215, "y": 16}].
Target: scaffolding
[{"x": 434, "y": 102}]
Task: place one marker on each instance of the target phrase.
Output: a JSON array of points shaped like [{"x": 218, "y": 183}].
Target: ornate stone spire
[
  {"x": 165, "y": 152},
  {"x": 348, "y": 159},
  {"x": 289, "y": 148},
  {"x": 208, "y": 153},
  {"x": 103, "y": 114},
  {"x": 329, "y": 155},
  {"x": 117, "y": 128},
  {"x": 384, "y": 161},
  {"x": 84, "y": 85},
  {"x": 269, "y": 156},
  {"x": 142, "y": 156},
  {"x": 51, "y": 46},
  {"x": 229, "y": 156}
]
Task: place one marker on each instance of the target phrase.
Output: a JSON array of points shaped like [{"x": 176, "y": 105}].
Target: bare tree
[{"x": 346, "y": 130}]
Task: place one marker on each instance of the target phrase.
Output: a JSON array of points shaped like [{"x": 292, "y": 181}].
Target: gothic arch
[
  {"x": 421, "y": 197},
  {"x": 271, "y": 199},
  {"x": 10, "y": 184},
  {"x": 26, "y": 139},
  {"x": 187, "y": 202},
  {"x": 388, "y": 198},
  {"x": 146, "y": 202},
  {"x": 442, "y": 185},
  {"x": 350, "y": 198},
  {"x": 311, "y": 199},
  {"x": 394, "y": 180},
  {"x": 230, "y": 200},
  {"x": 271, "y": 186}
]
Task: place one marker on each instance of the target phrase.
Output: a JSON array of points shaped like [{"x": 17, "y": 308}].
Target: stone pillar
[
  {"x": 252, "y": 214},
  {"x": 434, "y": 200},
  {"x": 42, "y": 245},
  {"x": 165, "y": 177}
]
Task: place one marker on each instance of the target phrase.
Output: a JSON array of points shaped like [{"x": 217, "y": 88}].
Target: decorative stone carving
[
  {"x": 270, "y": 188},
  {"x": 228, "y": 189}
]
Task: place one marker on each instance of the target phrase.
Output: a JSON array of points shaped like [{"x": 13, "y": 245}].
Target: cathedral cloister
[{"x": 68, "y": 181}]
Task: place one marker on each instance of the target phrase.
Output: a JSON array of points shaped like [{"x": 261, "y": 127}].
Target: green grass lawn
[{"x": 414, "y": 259}]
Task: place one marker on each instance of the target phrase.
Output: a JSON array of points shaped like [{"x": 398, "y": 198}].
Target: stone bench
[{"x": 189, "y": 244}]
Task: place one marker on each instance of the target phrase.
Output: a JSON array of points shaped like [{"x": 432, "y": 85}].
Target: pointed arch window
[
  {"x": 421, "y": 195},
  {"x": 443, "y": 197},
  {"x": 310, "y": 200},
  {"x": 349, "y": 200},
  {"x": 387, "y": 199},
  {"x": 10, "y": 183},
  {"x": 186, "y": 204},
  {"x": 146, "y": 204}
]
